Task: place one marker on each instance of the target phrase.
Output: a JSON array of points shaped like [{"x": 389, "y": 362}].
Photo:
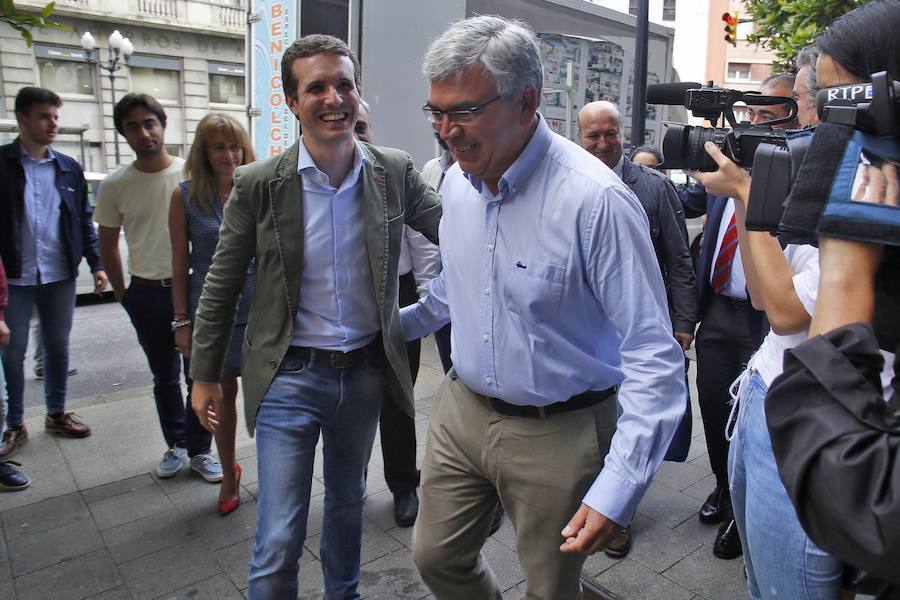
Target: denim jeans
[
  {"x": 150, "y": 310},
  {"x": 55, "y": 304},
  {"x": 782, "y": 562},
  {"x": 303, "y": 400}
]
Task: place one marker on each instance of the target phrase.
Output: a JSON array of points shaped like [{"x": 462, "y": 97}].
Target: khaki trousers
[{"x": 539, "y": 469}]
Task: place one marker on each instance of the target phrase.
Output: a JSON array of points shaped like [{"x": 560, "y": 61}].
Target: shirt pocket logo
[{"x": 534, "y": 287}]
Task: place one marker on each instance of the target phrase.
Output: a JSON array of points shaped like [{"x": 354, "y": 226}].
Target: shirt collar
[
  {"x": 24, "y": 154},
  {"x": 445, "y": 161},
  {"x": 525, "y": 164},
  {"x": 305, "y": 162}
]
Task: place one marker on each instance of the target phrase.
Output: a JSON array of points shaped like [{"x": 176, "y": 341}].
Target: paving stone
[
  {"x": 710, "y": 577},
  {"x": 108, "y": 490},
  {"x": 249, "y": 471},
  {"x": 390, "y": 577},
  {"x": 214, "y": 588},
  {"x": 235, "y": 561},
  {"x": 667, "y": 506},
  {"x": 506, "y": 535},
  {"x": 630, "y": 580},
  {"x": 44, "y": 463},
  {"x": 199, "y": 499},
  {"x": 81, "y": 577},
  {"x": 504, "y": 563},
  {"x": 8, "y": 590},
  {"x": 702, "y": 489},
  {"x": 168, "y": 570},
  {"x": 311, "y": 585},
  {"x": 253, "y": 489},
  {"x": 119, "y": 593},
  {"x": 314, "y": 516},
  {"x": 130, "y": 506},
  {"x": 43, "y": 515},
  {"x": 148, "y": 535},
  {"x": 379, "y": 509},
  {"x": 5, "y": 572},
  {"x": 402, "y": 535},
  {"x": 695, "y": 532},
  {"x": 656, "y": 546},
  {"x": 598, "y": 563},
  {"x": 217, "y": 531},
  {"x": 679, "y": 476},
  {"x": 45, "y": 548}
]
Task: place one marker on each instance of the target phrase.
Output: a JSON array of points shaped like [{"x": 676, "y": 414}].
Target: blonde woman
[{"x": 220, "y": 146}]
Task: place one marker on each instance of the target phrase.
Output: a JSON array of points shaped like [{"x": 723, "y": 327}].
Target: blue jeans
[
  {"x": 782, "y": 562},
  {"x": 150, "y": 310},
  {"x": 55, "y": 304},
  {"x": 304, "y": 400}
]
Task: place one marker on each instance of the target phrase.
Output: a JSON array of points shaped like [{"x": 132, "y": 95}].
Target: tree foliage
[
  {"x": 25, "y": 22},
  {"x": 786, "y": 26}
]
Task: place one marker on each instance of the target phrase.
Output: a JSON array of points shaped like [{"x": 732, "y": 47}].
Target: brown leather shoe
[
  {"x": 12, "y": 439},
  {"x": 66, "y": 425},
  {"x": 621, "y": 544}
]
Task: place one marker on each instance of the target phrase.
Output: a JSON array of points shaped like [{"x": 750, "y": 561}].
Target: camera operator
[
  {"x": 836, "y": 440},
  {"x": 781, "y": 560},
  {"x": 731, "y": 329}
]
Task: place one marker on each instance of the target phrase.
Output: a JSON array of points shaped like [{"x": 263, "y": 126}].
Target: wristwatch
[{"x": 179, "y": 323}]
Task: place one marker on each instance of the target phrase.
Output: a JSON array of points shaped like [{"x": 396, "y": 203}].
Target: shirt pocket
[{"x": 535, "y": 287}]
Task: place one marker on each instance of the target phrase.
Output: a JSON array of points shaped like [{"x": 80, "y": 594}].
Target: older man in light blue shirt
[{"x": 557, "y": 303}]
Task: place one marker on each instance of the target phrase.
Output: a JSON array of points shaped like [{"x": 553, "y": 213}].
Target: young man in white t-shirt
[
  {"x": 780, "y": 558},
  {"x": 136, "y": 199}
]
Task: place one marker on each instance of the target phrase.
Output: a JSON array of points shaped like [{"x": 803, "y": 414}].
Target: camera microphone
[{"x": 670, "y": 93}]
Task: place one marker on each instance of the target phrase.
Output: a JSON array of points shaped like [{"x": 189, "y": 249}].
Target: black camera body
[{"x": 682, "y": 145}]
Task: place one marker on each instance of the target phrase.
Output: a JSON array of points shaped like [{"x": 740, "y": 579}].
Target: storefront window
[
  {"x": 66, "y": 77},
  {"x": 226, "y": 83},
  {"x": 162, "y": 84}
]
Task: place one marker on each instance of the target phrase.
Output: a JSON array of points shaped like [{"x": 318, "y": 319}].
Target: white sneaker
[
  {"x": 171, "y": 462},
  {"x": 208, "y": 467}
]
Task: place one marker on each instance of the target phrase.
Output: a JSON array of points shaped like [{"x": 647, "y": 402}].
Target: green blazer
[{"x": 264, "y": 220}]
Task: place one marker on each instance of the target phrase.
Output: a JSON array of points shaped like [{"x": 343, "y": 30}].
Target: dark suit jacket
[
  {"x": 669, "y": 236},
  {"x": 264, "y": 219},
  {"x": 697, "y": 202}
]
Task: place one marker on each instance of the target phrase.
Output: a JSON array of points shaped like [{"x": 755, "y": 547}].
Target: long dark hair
[{"x": 866, "y": 40}]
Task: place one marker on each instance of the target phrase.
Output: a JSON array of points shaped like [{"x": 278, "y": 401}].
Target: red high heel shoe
[{"x": 226, "y": 507}]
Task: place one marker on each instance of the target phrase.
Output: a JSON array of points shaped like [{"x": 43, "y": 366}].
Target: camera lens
[{"x": 683, "y": 146}]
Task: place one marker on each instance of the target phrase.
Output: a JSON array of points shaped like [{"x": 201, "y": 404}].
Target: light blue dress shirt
[
  {"x": 553, "y": 289},
  {"x": 44, "y": 258},
  {"x": 338, "y": 309}
]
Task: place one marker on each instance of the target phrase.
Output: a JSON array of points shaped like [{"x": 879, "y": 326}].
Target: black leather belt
[
  {"x": 738, "y": 303},
  {"x": 152, "y": 282},
  {"x": 584, "y": 400},
  {"x": 335, "y": 358}
]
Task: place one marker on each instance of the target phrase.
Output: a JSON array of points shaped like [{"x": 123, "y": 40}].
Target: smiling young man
[
  {"x": 557, "y": 304},
  {"x": 45, "y": 229},
  {"x": 136, "y": 199},
  {"x": 324, "y": 222}
]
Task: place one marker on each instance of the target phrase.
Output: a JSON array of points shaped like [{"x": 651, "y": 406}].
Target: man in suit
[
  {"x": 730, "y": 328},
  {"x": 600, "y": 128},
  {"x": 324, "y": 222}
]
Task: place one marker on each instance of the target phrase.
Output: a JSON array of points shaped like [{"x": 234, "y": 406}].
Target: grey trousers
[{"x": 539, "y": 469}]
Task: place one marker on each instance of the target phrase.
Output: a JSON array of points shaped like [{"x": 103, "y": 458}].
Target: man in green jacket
[{"x": 324, "y": 223}]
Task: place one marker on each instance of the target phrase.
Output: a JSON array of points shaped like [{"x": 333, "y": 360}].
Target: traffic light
[{"x": 731, "y": 23}]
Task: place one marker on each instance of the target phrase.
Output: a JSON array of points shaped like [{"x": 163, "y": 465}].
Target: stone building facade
[{"x": 189, "y": 54}]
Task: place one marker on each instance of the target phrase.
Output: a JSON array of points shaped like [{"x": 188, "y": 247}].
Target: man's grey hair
[
  {"x": 605, "y": 105},
  {"x": 506, "y": 49},
  {"x": 785, "y": 79},
  {"x": 807, "y": 57}
]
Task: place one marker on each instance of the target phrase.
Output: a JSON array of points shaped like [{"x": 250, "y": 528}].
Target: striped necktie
[{"x": 722, "y": 271}]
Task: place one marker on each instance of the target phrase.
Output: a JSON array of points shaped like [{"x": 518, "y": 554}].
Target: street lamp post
[{"x": 119, "y": 51}]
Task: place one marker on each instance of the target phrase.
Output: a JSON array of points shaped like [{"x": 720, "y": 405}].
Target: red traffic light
[
  {"x": 731, "y": 23},
  {"x": 731, "y": 18}
]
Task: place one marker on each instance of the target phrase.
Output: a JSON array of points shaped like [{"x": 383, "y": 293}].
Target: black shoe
[
  {"x": 498, "y": 519},
  {"x": 12, "y": 479},
  {"x": 716, "y": 506},
  {"x": 728, "y": 543},
  {"x": 621, "y": 544},
  {"x": 39, "y": 372},
  {"x": 406, "y": 507}
]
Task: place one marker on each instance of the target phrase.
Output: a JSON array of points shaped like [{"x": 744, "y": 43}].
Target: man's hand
[
  {"x": 588, "y": 532},
  {"x": 730, "y": 180},
  {"x": 183, "y": 340},
  {"x": 100, "y": 282},
  {"x": 4, "y": 333},
  {"x": 684, "y": 338},
  {"x": 204, "y": 399}
]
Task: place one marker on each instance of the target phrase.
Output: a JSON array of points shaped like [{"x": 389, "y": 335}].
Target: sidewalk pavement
[{"x": 96, "y": 523}]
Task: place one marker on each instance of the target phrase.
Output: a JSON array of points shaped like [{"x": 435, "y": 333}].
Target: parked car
[{"x": 84, "y": 284}]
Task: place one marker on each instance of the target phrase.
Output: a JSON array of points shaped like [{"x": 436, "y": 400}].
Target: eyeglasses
[{"x": 463, "y": 115}]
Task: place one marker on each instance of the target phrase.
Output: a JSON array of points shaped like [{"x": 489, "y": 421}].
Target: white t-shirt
[
  {"x": 769, "y": 359},
  {"x": 139, "y": 202}
]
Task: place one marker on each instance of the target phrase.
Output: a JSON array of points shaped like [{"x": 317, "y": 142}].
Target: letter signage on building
[{"x": 272, "y": 126}]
